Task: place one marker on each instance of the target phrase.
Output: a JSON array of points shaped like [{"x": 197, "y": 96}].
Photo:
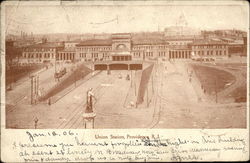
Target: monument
[{"x": 89, "y": 115}]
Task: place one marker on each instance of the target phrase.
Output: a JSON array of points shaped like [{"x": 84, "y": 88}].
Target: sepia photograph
[
  {"x": 123, "y": 81},
  {"x": 125, "y": 66}
]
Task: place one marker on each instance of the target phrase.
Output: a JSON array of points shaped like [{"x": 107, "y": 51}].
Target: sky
[{"x": 121, "y": 18}]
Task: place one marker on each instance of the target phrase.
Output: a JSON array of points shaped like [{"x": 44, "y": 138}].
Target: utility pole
[
  {"x": 75, "y": 78},
  {"x": 34, "y": 89},
  {"x": 37, "y": 85},
  {"x": 135, "y": 84},
  {"x": 11, "y": 76},
  {"x": 216, "y": 96},
  {"x": 131, "y": 79},
  {"x": 55, "y": 63},
  {"x": 152, "y": 83},
  {"x": 147, "y": 95},
  {"x": 31, "y": 93}
]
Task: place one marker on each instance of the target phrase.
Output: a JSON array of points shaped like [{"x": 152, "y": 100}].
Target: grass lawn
[
  {"x": 146, "y": 74},
  {"x": 240, "y": 93},
  {"x": 213, "y": 79},
  {"x": 78, "y": 74},
  {"x": 16, "y": 73}
]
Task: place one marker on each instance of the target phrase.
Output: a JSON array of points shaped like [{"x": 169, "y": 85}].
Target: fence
[
  {"x": 146, "y": 73},
  {"x": 69, "y": 80}
]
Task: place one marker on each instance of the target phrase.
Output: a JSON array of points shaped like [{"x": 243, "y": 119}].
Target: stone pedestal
[{"x": 89, "y": 120}]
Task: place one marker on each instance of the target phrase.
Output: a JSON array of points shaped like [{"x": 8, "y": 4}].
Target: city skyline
[{"x": 121, "y": 18}]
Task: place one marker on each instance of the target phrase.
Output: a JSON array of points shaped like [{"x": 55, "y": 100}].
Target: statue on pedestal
[
  {"x": 89, "y": 115},
  {"x": 89, "y": 105}
]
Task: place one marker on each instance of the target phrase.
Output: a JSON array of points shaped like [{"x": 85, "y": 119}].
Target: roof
[
  {"x": 180, "y": 47},
  {"x": 45, "y": 45},
  {"x": 180, "y": 39},
  {"x": 121, "y": 36},
  {"x": 237, "y": 42},
  {"x": 227, "y": 39},
  {"x": 66, "y": 50},
  {"x": 149, "y": 41},
  {"x": 73, "y": 41},
  {"x": 208, "y": 42},
  {"x": 96, "y": 42}
]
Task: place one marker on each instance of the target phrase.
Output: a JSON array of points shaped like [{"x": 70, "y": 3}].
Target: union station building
[{"x": 122, "y": 48}]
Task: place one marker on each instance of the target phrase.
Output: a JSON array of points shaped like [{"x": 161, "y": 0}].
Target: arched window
[{"x": 121, "y": 47}]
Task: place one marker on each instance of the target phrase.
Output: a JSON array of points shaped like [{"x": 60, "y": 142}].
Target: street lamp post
[
  {"x": 75, "y": 77},
  {"x": 31, "y": 92},
  {"x": 55, "y": 62},
  {"x": 135, "y": 84},
  {"x": 147, "y": 96},
  {"x": 216, "y": 91},
  {"x": 131, "y": 79}
]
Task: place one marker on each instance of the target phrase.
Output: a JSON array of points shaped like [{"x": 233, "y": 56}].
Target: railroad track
[
  {"x": 75, "y": 118},
  {"x": 78, "y": 85},
  {"x": 160, "y": 100},
  {"x": 157, "y": 105},
  {"x": 25, "y": 80},
  {"x": 15, "y": 102}
]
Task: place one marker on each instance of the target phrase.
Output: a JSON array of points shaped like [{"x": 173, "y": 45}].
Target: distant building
[
  {"x": 230, "y": 33},
  {"x": 66, "y": 55},
  {"x": 68, "y": 52},
  {"x": 70, "y": 45},
  {"x": 209, "y": 49},
  {"x": 40, "y": 53},
  {"x": 121, "y": 47},
  {"x": 149, "y": 48},
  {"x": 175, "y": 31},
  {"x": 124, "y": 47},
  {"x": 180, "y": 52},
  {"x": 245, "y": 45},
  {"x": 224, "y": 34},
  {"x": 181, "y": 29},
  {"x": 236, "y": 48},
  {"x": 94, "y": 50},
  {"x": 12, "y": 53}
]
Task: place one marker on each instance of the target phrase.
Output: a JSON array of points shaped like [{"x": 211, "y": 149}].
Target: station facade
[
  {"x": 123, "y": 47},
  {"x": 45, "y": 52},
  {"x": 210, "y": 50}
]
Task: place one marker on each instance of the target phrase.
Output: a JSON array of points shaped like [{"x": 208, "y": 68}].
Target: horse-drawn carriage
[{"x": 60, "y": 74}]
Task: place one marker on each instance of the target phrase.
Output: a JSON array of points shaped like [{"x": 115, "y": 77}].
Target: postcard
[{"x": 108, "y": 81}]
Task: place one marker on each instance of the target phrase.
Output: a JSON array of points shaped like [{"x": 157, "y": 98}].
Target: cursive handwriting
[{"x": 65, "y": 146}]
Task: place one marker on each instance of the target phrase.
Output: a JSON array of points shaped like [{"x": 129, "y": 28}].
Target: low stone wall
[
  {"x": 145, "y": 77},
  {"x": 77, "y": 74}
]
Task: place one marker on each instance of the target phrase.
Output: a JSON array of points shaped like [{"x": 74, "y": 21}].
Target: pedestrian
[
  {"x": 49, "y": 102},
  {"x": 36, "y": 121}
]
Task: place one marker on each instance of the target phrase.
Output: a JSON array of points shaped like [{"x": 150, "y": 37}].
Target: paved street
[
  {"x": 178, "y": 106},
  {"x": 174, "y": 105}
]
